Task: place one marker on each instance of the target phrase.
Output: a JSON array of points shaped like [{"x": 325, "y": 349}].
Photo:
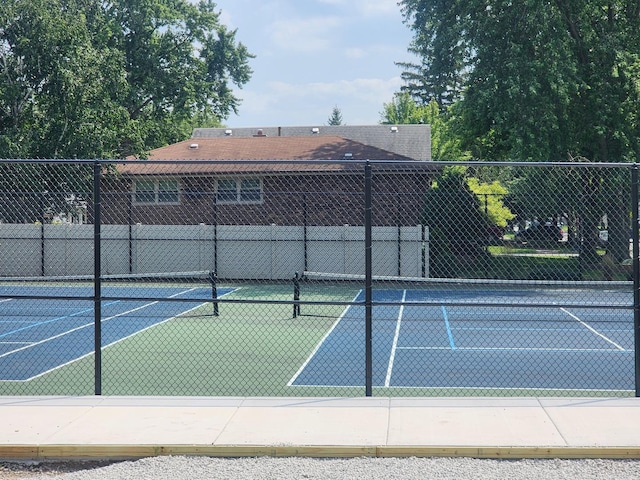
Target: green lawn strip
[{"x": 525, "y": 267}]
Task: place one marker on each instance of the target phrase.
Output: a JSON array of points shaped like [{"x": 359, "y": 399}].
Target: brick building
[{"x": 280, "y": 175}]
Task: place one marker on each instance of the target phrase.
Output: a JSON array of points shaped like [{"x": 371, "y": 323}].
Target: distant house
[{"x": 279, "y": 175}]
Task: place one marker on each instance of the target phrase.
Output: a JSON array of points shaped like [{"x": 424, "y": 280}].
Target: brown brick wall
[{"x": 319, "y": 199}]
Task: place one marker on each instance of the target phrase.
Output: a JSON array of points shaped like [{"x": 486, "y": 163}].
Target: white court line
[
  {"x": 513, "y": 349},
  {"x": 392, "y": 357},
  {"x": 48, "y": 339},
  {"x": 112, "y": 343},
  {"x": 593, "y": 330},
  {"x": 321, "y": 342}
]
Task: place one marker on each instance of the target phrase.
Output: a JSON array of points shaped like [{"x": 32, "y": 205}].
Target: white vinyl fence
[{"x": 271, "y": 252}]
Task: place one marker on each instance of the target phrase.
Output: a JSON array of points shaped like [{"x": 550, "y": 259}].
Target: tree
[
  {"x": 403, "y": 109},
  {"x": 457, "y": 224},
  {"x": 491, "y": 197},
  {"x": 538, "y": 80},
  {"x": 438, "y": 77},
  {"x": 546, "y": 78},
  {"x": 336, "y": 117},
  {"x": 93, "y": 79}
]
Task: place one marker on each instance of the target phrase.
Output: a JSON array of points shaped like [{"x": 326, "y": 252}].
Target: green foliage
[
  {"x": 336, "y": 117},
  {"x": 92, "y": 79},
  {"x": 536, "y": 80},
  {"x": 403, "y": 109},
  {"x": 457, "y": 225},
  {"x": 491, "y": 197},
  {"x": 441, "y": 47}
]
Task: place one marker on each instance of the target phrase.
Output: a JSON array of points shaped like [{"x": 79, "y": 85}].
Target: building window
[
  {"x": 236, "y": 190},
  {"x": 159, "y": 192}
]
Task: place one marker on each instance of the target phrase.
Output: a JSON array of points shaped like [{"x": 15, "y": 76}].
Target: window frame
[
  {"x": 158, "y": 193},
  {"x": 249, "y": 195}
]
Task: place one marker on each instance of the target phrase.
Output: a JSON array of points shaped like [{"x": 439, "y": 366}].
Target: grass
[{"x": 513, "y": 261}]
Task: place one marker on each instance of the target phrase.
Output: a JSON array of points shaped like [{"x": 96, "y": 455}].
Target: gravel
[{"x": 205, "y": 468}]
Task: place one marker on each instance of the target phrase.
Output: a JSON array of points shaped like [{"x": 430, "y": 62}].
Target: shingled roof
[
  {"x": 411, "y": 141},
  {"x": 272, "y": 148},
  {"x": 288, "y": 150},
  {"x": 258, "y": 154}
]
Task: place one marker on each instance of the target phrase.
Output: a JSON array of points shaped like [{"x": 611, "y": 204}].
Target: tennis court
[
  {"x": 479, "y": 336},
  {"x": 429, "y": 337},
  {"x": 45, "y": 327}
]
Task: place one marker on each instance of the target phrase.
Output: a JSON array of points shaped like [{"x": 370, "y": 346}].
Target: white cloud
[
  {"x": 369, "y": 8},
  {"x": 355, "y": 53},
  {"x": 378, "y": 7},
  {"x": 366, "y": 7},
  {"x": 360, "y": 101},
  {"x": 365, "y": 89},
  {"x": 304, "y": 34},
  {"x": 313, "y": 55}
]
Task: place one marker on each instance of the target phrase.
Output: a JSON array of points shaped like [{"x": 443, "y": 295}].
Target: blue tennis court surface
[
  {"x": 445, "y": 345},
  {"x": 37, "y": 336}
]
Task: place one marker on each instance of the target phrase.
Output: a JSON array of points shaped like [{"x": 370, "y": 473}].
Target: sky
[{"x": 315, "y": 55}]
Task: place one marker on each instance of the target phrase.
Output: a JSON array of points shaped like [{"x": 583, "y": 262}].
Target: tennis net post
[
  {"x": 213, "y": 280},
  {"x": 296, "y": 295}
]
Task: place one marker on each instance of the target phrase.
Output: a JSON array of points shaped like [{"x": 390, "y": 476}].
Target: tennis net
[
  {"x": 314, "y": 289},
  {"x": 157, "y": 286}
]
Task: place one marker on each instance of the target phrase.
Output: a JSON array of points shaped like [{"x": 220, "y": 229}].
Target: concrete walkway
[{"x": 131, "y": 427}]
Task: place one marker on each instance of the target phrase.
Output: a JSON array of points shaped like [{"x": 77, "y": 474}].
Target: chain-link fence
[{"x": 316, "y": 278}]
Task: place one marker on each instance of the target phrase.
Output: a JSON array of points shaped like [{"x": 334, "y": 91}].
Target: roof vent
[
  {"x": 194, "y": 146},
  {"x": 260, "y": 133},
  {"x": 315, "y": 130},
  {"x": 394, "y": 129},
  {"x": 228, "y": 132}
]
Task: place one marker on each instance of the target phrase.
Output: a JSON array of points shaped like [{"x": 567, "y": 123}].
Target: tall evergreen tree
[{"x": 336, "y": 117}]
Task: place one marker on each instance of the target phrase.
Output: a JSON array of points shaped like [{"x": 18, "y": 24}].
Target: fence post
[
  {"x": 97, "y": 285},
  {"x": 305, "y": 222},
  {"x": 215, "y": 232},
  {"x": 636, "y": 274},
  {"x": 41, "y": 202},
  {"x": 213, "y": 281},
  {"x": 368, "y": 281},
  {"x": 43, "y": 250},
  {"x": 296, "y": 295},
  {"x": 130, "y": 231}
]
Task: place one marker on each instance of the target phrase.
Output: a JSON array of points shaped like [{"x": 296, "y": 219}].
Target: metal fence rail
[{"x": 319, "y": 278}]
